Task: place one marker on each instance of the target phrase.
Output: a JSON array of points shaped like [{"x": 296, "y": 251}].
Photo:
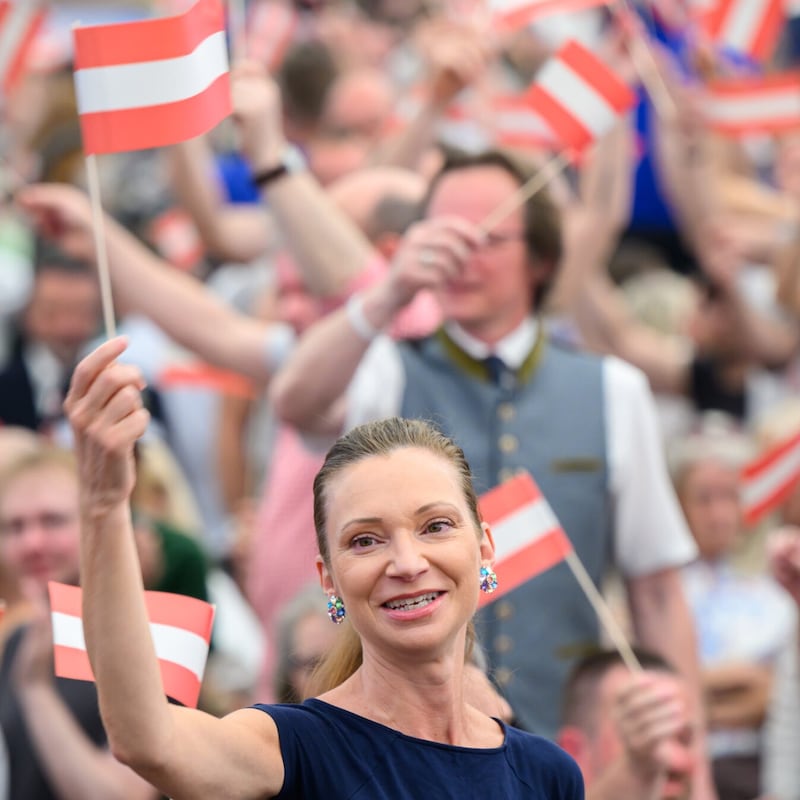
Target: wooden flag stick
[
  {"x": 101, "y": 253},
  {"x": 603, "y": 612},
  {"x": 534, "y": 184},
  {"x": 646, "y": 66}
]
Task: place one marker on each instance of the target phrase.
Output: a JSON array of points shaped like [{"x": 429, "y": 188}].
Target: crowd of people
[{"x": 327, "y": 356}]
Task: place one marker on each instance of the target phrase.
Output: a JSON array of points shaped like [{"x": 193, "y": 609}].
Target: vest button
[
  {"x": 503, "y": 643},
  {"x": 503, "y": 610},
  {"x": 508, "y": 443},
  {"x": 503, "y": 676},
  {"x": 506, "y": 412}
]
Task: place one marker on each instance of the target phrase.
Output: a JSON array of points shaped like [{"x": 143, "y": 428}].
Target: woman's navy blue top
[{"x": 337, "y": 755}]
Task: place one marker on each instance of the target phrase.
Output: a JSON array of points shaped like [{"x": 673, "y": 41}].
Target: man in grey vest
[{"x": 583, "y": 426}]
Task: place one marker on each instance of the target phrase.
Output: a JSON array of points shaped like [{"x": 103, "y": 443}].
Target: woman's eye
[
  {"x": 361, "y": 542},
  {"x": 439, "y": 525}
]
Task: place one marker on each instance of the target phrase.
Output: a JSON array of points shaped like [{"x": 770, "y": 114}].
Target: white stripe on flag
[
  {"x": 19, "y": 17},
  {"x": 742, "y": 23},
  {"x": 758, "y": 487},
  {"x": 761, "y": 104},
  {"x": 176, "y": 645},
  {"x": 152, "y": 83},
  {"x": 522, "y": 528},
  {"x": 578, "y": 97}
]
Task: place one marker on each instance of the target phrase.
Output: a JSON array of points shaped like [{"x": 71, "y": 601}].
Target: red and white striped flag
[
  {"x": 152, "y": 83},
  {"x": 509, "y": 14},
  {"x": 20, "y": 23},
  {"x": 528, "y": 538},
  {"x": 770, "y": 479},
  {"x": 770, "y": 104},
  {"x": 751, "y": 27},
  {"x": 579, "y": 96},
  {"x": 180, "y": 627}
]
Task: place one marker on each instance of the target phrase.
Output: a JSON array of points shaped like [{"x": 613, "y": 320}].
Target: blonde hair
[
  {"x": 375, "y": 439},
  {"x": 43, "y": 457}
]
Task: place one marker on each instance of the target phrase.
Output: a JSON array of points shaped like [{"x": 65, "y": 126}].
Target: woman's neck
[{"x": 421, "y": 700}]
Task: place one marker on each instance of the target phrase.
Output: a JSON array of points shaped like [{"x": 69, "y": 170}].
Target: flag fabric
[
  {"x": 527, "y": 536},
  {"x": 180, "y": 627},
  {"x": 579, "y": 96},
  {"x": 510, "y": 14},
  {"x": 20, "y": 24},
  {"x": 742, "y": 106},
  {"x": 750, "y": 27},
  {"x": 154, "y": 82},
  {"x": 770, "y": 479}
]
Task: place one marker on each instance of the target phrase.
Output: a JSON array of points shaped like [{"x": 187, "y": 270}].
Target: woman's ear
[
  {"x": 487, "y": 545},
  {"x": 325, "y": 579}
]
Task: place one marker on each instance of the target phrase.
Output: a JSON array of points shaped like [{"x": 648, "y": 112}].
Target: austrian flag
[
  {"x": 528, "y": 538},
  {"x": 579, "y": 96},
  {"x": 20, "y": 23},
  {"x": 152, "y": 83},
  {"x": 768, "y": 104},
  {"x": 750, "y": 27},
  {"x": 180, "y": 627},
  {"x": 770, "y": 479}
]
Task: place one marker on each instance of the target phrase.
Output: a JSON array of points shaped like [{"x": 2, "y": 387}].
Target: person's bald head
[{"x": 381, "y": 201}]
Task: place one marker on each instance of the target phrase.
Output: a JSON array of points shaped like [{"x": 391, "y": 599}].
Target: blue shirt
[{"x": 334, "y": 754}]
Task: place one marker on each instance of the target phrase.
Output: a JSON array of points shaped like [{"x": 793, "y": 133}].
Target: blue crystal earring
[
  {"x": 488, "y": 580},
  {"x": 336, "y": 609}
]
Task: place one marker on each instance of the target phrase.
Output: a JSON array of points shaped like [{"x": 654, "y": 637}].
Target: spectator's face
[
  {"x": 496, "y": 285},
  {"x": 405, "y": 555},
  {"x": 312, "y": 638},
  {"x": 39, "y": 533},
  {"x": 63, "y": 312},
  {"x": 709, "y": 494},
  {"x": 606, "y": 745}
]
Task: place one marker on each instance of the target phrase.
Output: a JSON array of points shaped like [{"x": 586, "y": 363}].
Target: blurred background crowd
[{"x": 680, "y": 255}]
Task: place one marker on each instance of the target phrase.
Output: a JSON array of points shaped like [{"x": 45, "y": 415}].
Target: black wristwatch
[{"x": 292, "y": 161}]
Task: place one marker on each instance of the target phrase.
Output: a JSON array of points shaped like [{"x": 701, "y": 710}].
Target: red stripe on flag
[
  {"x": 65, "y": 599},
  {"x": 5, "y": 10},
  {"x": 156, "y": 126},
  {"x": 72, "y": 663},
  {"x": 755, "y": 512},
  {"x": 17, "y": 66},
  {"x": 180, "y": 683},
  {"x": 539, "y": 556},
  {"x": 602, "y": 79},
  {"x": 147, "y": 40},
  {"x": 180, "y": 611},
  {"x": 508, "y": 498},
  {"x": 769, "y": 30},
  {"x": 569, "y": 131}
]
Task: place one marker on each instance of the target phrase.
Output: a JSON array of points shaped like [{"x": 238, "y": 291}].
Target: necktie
[{"x": 495, "y": 368}]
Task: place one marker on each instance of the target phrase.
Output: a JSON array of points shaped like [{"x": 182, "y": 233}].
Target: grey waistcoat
[{"x": 548, "y": 418}]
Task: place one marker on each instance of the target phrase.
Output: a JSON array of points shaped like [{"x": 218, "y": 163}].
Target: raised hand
[
  {"x": 62, "y": 214},
  {"x": 104, "y": 407}
]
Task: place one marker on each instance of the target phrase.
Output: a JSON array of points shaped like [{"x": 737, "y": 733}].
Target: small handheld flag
[{"x": 180, "y": 627}]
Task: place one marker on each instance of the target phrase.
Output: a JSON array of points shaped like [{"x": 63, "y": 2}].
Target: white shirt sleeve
[
  {"x": 377, "y": 388},
  {"x": 650, "y": 530}
]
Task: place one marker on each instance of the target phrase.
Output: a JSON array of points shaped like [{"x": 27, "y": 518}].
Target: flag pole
[
  {"x": 645, "y": 64},
  {"x": 534, "y": 184},
  {"x": 101, "y": 252},
  {"x": 603, "y": 612}
]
